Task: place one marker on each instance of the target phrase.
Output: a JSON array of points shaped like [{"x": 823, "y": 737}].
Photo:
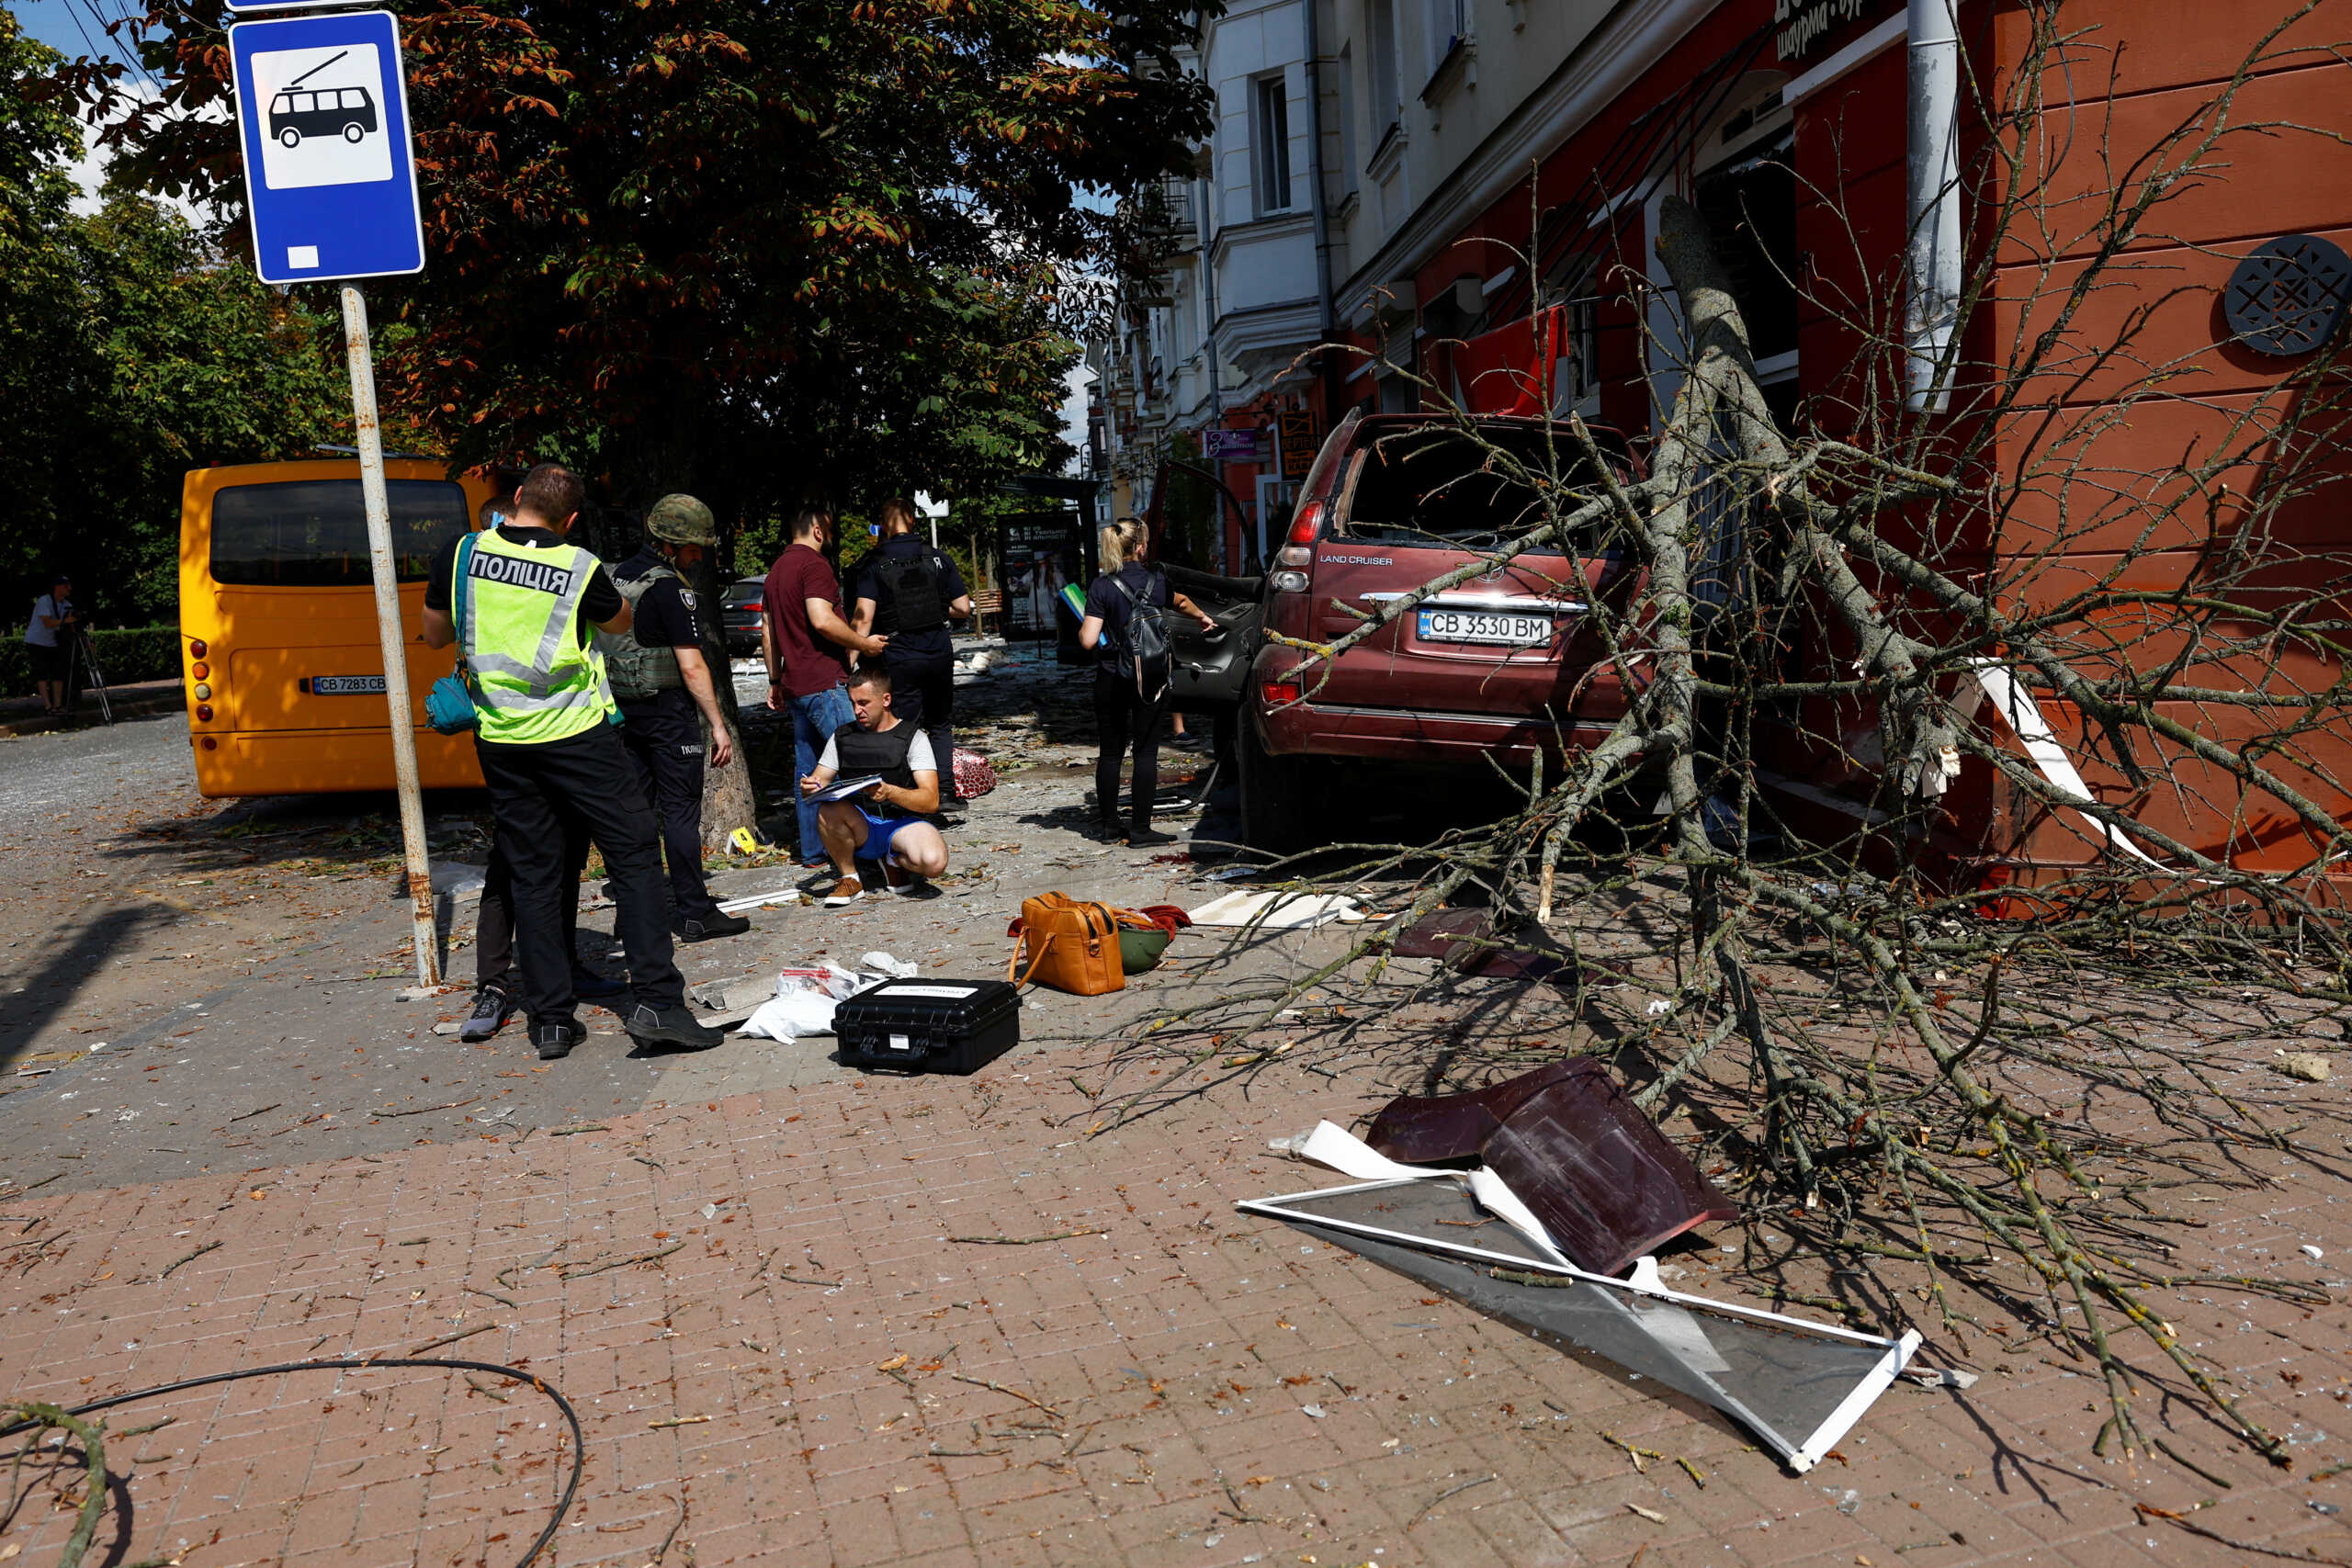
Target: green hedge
[{"x": 128, "y": 654}]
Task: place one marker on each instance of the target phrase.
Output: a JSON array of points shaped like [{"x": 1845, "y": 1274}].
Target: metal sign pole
[{"x": 388, "y": 630}]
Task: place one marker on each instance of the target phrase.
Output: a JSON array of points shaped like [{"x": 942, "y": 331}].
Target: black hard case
[{"x": 931, "y": 1026}]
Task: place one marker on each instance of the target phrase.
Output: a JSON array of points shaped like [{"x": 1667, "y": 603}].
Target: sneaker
[
  {"x": 493, "y": 1008},
  {"x": 717, "y": 924},
  {"x": 556, "y": 1040},
  {"x": 591, "y": 986},
  {"x": 905, "y": 884},
  {"x": 848, "y": 890},
  {"x": 674, "y": 1027}
]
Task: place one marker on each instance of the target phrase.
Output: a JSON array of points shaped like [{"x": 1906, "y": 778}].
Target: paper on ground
[{"x": 1277, "y": 911}]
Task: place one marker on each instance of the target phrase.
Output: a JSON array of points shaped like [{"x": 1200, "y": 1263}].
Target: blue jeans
[{"x": 814, "y": 719}]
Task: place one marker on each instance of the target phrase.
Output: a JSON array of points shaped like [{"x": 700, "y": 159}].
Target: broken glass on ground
[{"x": 1799, "y": 1386}]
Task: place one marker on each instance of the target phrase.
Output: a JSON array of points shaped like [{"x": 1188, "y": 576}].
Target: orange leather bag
[{"x": 1067, "y": 945}]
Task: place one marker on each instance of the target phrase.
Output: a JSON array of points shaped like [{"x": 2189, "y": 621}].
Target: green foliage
[
  {"x": 761, "y": 252},
  {"x": 128, "y": 354},
  {"x": 127, "y": 655}
]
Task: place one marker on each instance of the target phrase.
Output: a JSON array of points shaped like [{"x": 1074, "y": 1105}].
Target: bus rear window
[{"x": 313, "y": 533}]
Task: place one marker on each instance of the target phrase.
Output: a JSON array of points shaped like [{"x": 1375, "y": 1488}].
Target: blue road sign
[{"x": 322, "y": 117}]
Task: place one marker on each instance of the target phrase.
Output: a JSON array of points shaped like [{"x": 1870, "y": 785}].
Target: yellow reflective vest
[{"x": 533, "y": 682}]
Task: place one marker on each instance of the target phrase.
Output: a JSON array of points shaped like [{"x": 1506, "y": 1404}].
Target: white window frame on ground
[{"x": 1269, "y": 143}]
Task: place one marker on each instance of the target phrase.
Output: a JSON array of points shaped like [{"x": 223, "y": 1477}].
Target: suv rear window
[
  {"x": 1437, "y": 487},
  {"x": 747, "y": 592},
  {"x": 313, "y": 533}
]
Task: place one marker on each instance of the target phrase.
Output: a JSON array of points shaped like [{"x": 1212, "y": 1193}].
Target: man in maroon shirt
[{"x": 804, "y": 636}]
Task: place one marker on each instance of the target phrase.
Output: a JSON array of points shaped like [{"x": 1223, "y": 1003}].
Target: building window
[
  {"x": 1348, "y": 183},
  {"x": 1380, "y": 21},
  {"x": 1751, "y": 207},
  {"x": 1449, "y": 24},
  {"x": 1271, "y": 125}
]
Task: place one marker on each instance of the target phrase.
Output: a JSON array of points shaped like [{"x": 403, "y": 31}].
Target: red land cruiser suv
[{"x": 1497, "y": 667}]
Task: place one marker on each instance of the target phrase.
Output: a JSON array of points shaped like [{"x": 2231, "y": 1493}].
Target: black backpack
[
  {"x": 914, "y": 604},
  {"x": 1143, "y": 646}
]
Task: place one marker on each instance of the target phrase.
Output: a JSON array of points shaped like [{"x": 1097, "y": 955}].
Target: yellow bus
[{"x": 284, "y": 671}]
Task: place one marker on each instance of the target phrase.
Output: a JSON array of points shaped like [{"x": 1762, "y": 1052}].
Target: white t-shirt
[
  {"x": 41, "y": 635},
  {"x": 920, "y": 758}
]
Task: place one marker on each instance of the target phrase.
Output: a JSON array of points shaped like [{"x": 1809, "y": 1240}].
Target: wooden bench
[{"x": 986, "y": 603}]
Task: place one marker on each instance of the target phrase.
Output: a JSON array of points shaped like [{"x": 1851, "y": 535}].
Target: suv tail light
[
  {"x": 1275, "y": 693},
  {"x": 1306, "y": 525}
]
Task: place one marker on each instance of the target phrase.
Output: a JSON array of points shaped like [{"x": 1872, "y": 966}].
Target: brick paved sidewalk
[{"x": 812, "y": 1371}]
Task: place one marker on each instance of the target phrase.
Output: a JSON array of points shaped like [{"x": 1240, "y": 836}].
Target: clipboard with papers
[{"x": 843, "y": 789}]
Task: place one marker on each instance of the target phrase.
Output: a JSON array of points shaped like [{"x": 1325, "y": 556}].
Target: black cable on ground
[{"x": 368, "y": 1363}]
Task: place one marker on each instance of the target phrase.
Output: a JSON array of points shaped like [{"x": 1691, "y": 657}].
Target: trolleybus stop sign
[
  {"x": 331, "y": 189},
  {"x": 322, "y": 118}
]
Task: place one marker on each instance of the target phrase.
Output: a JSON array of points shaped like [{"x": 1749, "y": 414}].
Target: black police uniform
[
  {"x": 664, "y": 734},
  {"x": 921, "y": 659},
  {"x": 546, "y": 799}
]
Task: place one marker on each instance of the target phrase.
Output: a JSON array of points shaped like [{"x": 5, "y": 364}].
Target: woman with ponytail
[{"x": 1126, "y": 711}]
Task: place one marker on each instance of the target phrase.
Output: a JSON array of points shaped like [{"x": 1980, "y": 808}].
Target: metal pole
[{"x": 388, "y": 631}]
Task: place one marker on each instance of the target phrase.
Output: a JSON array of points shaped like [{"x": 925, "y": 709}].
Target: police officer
[
  {"x": 552, "y": 756},
  {"x": 908, "y": 591},
  {"x": 660, "y": 677}
]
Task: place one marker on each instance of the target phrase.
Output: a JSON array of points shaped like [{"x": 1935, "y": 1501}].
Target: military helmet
[{"x": 682, "y": 520}]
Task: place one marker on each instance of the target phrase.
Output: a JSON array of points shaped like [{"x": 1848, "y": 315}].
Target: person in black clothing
[
  {"x": 579, "y": 780},
  {"x": 498, "y": 986},
  {"x": 909, "y": 590},
  {"x": 660, "y": 678},
  {"x": 1124, "y": 713}
]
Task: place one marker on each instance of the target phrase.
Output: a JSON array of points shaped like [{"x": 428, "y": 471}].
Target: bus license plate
[
  {"x": 1485, "y": 626},
  {"x": 347, "y": 685}
]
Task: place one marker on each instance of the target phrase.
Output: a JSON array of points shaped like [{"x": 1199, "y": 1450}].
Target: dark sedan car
[{"x": 740, "y": 613}]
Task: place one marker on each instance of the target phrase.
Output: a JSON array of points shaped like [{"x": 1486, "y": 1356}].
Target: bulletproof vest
[
  {"x": 637, "y": 672},
  {"x": 884, "y": 752},
  {"x": 913, "y": 602}
]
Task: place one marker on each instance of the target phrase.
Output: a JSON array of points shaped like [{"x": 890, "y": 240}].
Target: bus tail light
[
  {"x": 203, "y": 692},
  {"x": 199, "y": 648},
  {"x": 209, "y": 744},
  {"x": 204, "y": 713},
  {"x": 202, "y": 672}
]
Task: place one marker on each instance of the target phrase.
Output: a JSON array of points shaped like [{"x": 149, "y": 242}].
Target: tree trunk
[{"x": 728, "y": 801}]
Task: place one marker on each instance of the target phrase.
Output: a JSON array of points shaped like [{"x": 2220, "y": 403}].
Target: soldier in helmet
[{"x": 661, "y": 677}]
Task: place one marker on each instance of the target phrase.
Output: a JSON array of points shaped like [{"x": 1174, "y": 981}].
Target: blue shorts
[{"x": 880, "y": 831}]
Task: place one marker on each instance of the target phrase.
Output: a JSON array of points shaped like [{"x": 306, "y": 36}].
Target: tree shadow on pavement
[
  {"x": 326, "y": 836},
  {"x": 49, "y": 989}
]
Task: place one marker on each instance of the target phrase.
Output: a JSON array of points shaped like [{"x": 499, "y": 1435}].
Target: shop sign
[{"x": 1299, "y": 443}]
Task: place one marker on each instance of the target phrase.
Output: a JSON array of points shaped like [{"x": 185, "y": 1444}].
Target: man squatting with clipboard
[{"x": 882, "y": 821}]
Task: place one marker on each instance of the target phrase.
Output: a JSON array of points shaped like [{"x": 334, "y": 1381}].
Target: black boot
[
  {"x": 556, "y": 1040},
  {"x": 674, "y": 1027}
]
